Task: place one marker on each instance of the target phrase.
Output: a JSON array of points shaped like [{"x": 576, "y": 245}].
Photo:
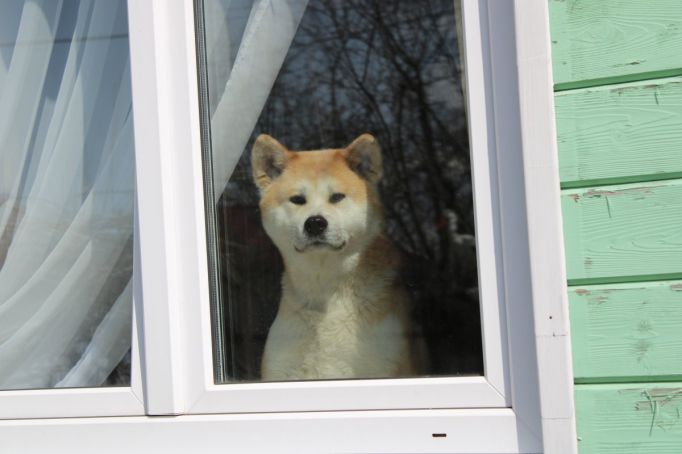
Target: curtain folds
[
  {"x": 66, "y": 194},
  {"x": 268, "y": 30}
]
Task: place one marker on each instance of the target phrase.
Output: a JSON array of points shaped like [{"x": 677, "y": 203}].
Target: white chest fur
[{"x": 336, "y": 327}]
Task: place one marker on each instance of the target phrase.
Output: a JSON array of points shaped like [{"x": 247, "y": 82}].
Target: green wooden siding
[
  {"x": 620, "y": 133},
  {"x": 623, "y": 233},
  {"x": 618, "y": 81},
  {"x": 629, "y": 418},
  {"x": 627, "y": 332},
  {"x": 605, "y": 41}
]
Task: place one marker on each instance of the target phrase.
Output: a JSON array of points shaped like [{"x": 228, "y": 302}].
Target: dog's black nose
[{"x": 315, "y": 225}]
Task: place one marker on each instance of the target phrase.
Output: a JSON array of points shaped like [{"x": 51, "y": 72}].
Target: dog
[{"x": 343, "y": 312}]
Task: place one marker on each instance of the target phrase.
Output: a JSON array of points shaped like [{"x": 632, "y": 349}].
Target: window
[
  {"x": 66, "y": 199},
  {"x": 232, "y": 113},
  {"x": 185, "y": 365},
  {"x": 317, "y": 76}
]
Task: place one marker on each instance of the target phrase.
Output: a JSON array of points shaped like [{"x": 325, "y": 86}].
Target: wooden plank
[
  {"x": 607, "y": 41},
  {"x": 627, "y": 332},
  {"x": 629, "y": 418},
  {"x": 620, "y": 133},
  {"x": 623, "y": 233}
]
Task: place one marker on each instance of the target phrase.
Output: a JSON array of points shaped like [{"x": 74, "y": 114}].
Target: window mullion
[{"x": 166, "y": 122}]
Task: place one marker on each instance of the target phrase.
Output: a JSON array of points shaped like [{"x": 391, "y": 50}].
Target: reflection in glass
[
  {"x": 66, "y": 194},
  {"x": 318, "y": 75}
]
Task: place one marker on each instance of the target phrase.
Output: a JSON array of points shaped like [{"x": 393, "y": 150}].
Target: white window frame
[
  {"x": 523, "y": 402},
  {"x": 489, "y": 391}
]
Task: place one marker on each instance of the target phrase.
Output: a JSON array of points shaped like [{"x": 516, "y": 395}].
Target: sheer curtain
[
  {"x": 66, "y": 192},
  {"x": 246, "y": 42}
]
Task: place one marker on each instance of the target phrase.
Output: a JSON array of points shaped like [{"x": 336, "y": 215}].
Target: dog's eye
[
  {"x": 297, "y": 199},
  {"x": 336, "y": 197}
]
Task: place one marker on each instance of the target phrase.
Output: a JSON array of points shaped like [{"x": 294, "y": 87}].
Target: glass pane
[
  {"x": 66, "y": 194},
  {"x": 357, "y": 257}
]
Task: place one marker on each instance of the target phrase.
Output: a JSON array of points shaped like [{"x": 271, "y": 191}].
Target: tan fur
[{"x": 343, "y": 312}]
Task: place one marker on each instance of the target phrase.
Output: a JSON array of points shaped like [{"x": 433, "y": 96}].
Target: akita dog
[{"x": 343, "y": 312}]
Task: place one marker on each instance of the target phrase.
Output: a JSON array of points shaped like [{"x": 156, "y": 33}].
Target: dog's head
[{"x": 319, "y": 202}]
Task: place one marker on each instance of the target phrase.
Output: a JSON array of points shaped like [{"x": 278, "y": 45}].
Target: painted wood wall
[{"x": 618, "y": 92}]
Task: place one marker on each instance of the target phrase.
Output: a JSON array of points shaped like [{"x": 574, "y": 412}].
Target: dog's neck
[
  {"x": 319, "y": 273},
  {"x": 317, "y": 277}
]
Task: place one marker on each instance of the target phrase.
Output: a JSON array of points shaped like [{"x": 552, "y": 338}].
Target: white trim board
[
  {"x": 328, "y": 432},
  {"x": 545, "y": 232}
]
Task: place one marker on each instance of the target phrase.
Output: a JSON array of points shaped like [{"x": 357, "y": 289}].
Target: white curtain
[
  {"x": 246, "y": 42},
  {"x": 66, "y": 192}
]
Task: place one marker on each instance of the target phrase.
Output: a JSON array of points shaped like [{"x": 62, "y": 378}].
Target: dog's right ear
[{"x": 268, "y": 159}]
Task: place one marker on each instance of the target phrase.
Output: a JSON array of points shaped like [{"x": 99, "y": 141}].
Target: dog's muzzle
[{"x": 316, "y": 236}]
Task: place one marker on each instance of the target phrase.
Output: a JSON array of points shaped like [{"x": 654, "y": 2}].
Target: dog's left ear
[{"x": 364, "y": 158}]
